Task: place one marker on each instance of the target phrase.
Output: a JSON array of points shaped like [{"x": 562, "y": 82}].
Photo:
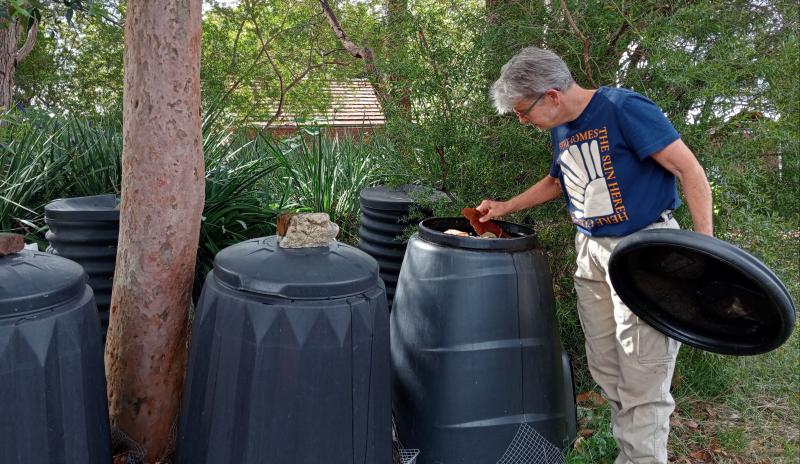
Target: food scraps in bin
[
  {"x": 473, "y": 215},
  {"x": 459, "y": 233}
]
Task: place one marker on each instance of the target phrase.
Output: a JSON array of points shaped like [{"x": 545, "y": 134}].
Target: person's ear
[{"x": 554, "y": 96}]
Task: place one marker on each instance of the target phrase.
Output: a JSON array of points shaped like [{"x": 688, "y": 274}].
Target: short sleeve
[
  {"x": 555, "y": 169},
  {"x": 644, "y": 126}
]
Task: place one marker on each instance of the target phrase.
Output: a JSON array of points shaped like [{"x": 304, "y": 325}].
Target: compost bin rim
[
  {"x": 63, "y": 209},
  {"x": 529, "y": 241}
]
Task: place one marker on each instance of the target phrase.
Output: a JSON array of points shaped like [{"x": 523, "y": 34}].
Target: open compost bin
[{"x": 480, "y": 375}]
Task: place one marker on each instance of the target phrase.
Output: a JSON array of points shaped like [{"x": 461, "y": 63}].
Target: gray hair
[{"x": 528, "y": 74}]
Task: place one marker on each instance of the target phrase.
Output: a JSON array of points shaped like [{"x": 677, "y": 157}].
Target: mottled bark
[
  {"x": 162, "y": 201},
  {"x": 11, "y": 54}
]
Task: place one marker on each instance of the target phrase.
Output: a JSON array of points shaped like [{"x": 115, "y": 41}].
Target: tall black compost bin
[
  {"x": 289, "y": 360},
  {"x": 85, "y": 230},
  {"x": 52, "y": 384},
  {"x": 384, "y": 217},
  {"x": 479, "y": 372}
]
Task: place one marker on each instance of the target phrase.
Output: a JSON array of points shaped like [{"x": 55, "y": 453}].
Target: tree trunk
[
  {"x": 11, "y": 56},
  {"x": 9, "y": 36},
  {"x": 162, "y": 201}
]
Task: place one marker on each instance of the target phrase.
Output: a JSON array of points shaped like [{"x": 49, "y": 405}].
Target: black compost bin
[
  {"x": 384, "y": 217},
  {"x": 289, "y": 360},
  {"x": 85, "y": 230},
  {"x": 480, "y": 375},
  {"x": 53, "y": 405}
]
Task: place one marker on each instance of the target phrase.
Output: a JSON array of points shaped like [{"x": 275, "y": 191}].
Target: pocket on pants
[{"x": 653, "y": 347}]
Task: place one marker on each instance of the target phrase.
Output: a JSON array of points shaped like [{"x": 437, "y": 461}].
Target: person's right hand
[{"x": 491, "y": 209}]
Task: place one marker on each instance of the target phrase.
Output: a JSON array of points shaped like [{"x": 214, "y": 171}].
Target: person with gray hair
[{"x": 616, "y": 158}]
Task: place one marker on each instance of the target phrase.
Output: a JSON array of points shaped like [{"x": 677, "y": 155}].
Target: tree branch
[
  {"x": 30, "y": 41},
  {"x": 262, "y": 50},
  {"x": 622, "y": 28},
  {"x": 441, "y": 77},
  {"x": 282, "y": 97},
  {"x": 587, "y": 71},
  {"x": 235, "y": 50},
  {"x": 363, "y": 53}
]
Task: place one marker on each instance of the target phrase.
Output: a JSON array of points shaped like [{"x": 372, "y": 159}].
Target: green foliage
[
  {"x": 703, "y": 375},
  {"x": 238, "y": 204},
  {"x": 600, "y": 446},
  {"x": 262, "y": 57},
  {"x": 43, "y": 158},
  {"x": 93, "y": 148},
  {"x": 27, "y": 164},
  {"x": 76, "y": 65},
  {"x": 322, "y": 173}
]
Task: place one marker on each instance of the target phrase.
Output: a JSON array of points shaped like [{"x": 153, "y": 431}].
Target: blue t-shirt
[{"x": 602, "y": 159}]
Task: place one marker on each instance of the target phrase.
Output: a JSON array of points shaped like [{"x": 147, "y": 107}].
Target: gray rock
[{"x": 306, "y": 230}]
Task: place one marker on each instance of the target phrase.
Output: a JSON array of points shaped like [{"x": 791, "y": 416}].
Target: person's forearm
[
  {"x": 698, "y": 198},
  {"x": 541, "y": 192}
]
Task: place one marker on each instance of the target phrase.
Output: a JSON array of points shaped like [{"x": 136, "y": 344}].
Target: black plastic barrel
[
  {"x": 53, "y": 405},
  {"x": 289, "y": 360},
  {"x": 384, "y": 217},
  {"x": 479, "y": 372},
  {"x": 85, "y": 230}
]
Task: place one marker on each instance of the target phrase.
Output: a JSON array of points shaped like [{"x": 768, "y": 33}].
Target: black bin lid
[
  {"x": 702, "y": 291},
  {"x": 400, "y": 198},
  {"x": 33, "y": 281},
  {"x": 261, "y": 266},
  {"x": 94, "y": 208}
]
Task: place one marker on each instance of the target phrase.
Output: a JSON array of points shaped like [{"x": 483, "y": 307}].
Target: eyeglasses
[{"x": 525, "y": 114}]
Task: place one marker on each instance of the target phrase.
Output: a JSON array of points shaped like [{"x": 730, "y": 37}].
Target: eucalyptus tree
[
  {"x": 18, "y": 29},
  {"x": 160, "y": 214}
]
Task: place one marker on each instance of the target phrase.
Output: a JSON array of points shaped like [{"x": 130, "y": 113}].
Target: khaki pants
[{"x": 631, "y": 361}]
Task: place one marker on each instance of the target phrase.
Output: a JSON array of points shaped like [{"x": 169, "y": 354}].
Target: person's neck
[{"x": 576, "y": 99}]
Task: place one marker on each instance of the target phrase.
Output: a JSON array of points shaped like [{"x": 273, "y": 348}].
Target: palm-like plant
[
  {"x": 325, "y": 174},
  {"x": 28, "y": 164},
  {"x": 94, "y": 151},
  {"x": 238, "y": 205}
]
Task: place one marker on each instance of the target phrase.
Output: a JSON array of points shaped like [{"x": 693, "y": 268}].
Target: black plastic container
[
  {"x": 702, "y": 291},
  {"x": 480, "y": 375},
  {"x": 53, "y": 406},
  {"x": 289, "y": 360},
  {"x": 384, "y": 218},
  {"x": 86, "y": 230}
]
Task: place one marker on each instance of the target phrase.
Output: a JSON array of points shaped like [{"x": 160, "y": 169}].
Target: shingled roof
[{"x": 353, "y": 104}]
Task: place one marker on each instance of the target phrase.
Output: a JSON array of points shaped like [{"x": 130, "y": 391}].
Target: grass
[{"x": 728, "y": 410}]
